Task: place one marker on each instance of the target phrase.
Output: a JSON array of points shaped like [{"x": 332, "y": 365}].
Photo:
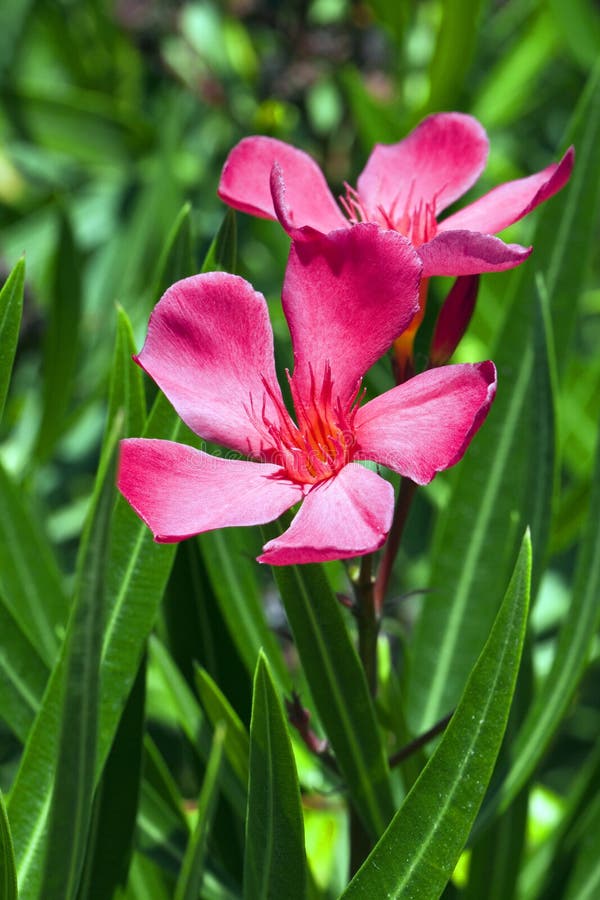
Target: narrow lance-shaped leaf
[
  {"x": 31, "y": 585},
  {"x": 222, "y": 253},
  {"x": 23, "y": 677},
  {"x": 574, "y": 644},
  {"x": 417, "y": 854},
  {"x": 8, "y": 872},
  {"x": 72, "y": 797},
  {"x": 177, "y": 258},
  {"x": 229, "y": 558},
  {"x": 218, "y": 709},
  {"x": 61, "y": 343},
  {"x": 126, "y": 388},
  {"x": 339, "y": 689},
  {"x": 189, "y": 883},
  {"x": 11, "y": 308},
  {"x": 275, "y": 861},
  {"x": 116, "y": 801}
]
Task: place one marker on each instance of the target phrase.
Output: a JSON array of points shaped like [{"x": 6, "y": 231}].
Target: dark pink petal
[
  {"x": 179, "y": 491},
  {"x": 348, "y": 515},
  {"x": 209, "y": 347},
  {"x": 286, "y": 217},
  {"x": 346, "y": 296},
  {"x": 453, "y": 319},
  {"x": 436, "y": 163},
  {"x": 511, "y": 201},
  {"x": 245, "y": 183},
  {"x": 469, "y": 253},
  {"x": 426, "y": 424}
]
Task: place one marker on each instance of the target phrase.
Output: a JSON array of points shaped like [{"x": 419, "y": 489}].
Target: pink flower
[
  {"x": 210, "y": 349},
  {"x": 404, "y": 187}
]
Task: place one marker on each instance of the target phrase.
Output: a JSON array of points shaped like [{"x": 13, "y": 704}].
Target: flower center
[
  {"x": 323, "y": 440},
  {"x": 416, "y": 221}
]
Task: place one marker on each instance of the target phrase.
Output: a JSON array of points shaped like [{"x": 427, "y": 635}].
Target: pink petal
[
  {"x": 346, "y": 296},
  {"x": 245, "y": 183},
  {"x": 179, "y": 491},
  {"x": 286, "y": 216},
  {"x": 348, "y": 515},
  {"x": 209, "y": 347},
  {"x": 436, "y": 163},
  {"x": 469, "y": 253},
  {"x": 426, "y": 424},
  {"x": 511, "y": 201}
]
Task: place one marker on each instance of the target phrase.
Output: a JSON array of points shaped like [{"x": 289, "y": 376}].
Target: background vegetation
[{"x": 115, "y": 121}]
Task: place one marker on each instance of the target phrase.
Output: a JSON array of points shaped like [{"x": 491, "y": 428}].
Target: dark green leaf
[
  {"x": 574, "y": 644},
  {"x": 72, "y": 797},
  {"x": 8, "y": 872},
  {"x": 110, "y": 844},
  {"x": 126, "y": 389},
  {"x": 229, "y": 558},
  {"x": 275, "y": 861},
  {"x": 339, "y": 689},
  {"x": 189, "y": 882},
  {"x": 506, "y": 480},
  {"x": 417, "y": 854},
  {"x": 61, "y": 343},
  {"x": 30, "y": 581},
  {"x": 11, "y": 308},
  {"x": 23, "y": 676},
  {"x": 218, "y": 709}
]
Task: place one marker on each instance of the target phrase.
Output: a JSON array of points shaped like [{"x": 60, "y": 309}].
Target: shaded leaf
[
  {"x": 8, "y": 872},
  {"x": 339, "y": 689},
  {"x": 177, "y": 258},
  {"x": 275, "y": 861},
  {"x": 190, "y": 878}
]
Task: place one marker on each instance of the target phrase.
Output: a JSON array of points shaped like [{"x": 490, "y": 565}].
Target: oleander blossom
[
  {"x": 209, "y": 347},
  {"x": 404, "y": 187}
]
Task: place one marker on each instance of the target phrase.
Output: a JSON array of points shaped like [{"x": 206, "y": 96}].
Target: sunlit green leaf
[
  {"x": 417, "y": 854},
  {"x": 218, "y": 709},
  {"x": 177, "y": 259}
]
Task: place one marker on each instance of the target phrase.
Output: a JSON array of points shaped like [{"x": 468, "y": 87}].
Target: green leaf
[
  {"x": 126, "y": 388},
  {"x": 456, "y": 40},
  {"x": 72, "y": 797},
  {"x": 585, "y": 881},
  {"x": 177, "y": 258},
  {"x": 8, "y": 872},
  {"x": 137, "y": 572},
  {"x": 110, "y": 844},
  {"x": 275, "y": 860},
  {"x": 574, "y": 645},
  {"x": 506, "y": 480},
  {"x": 190, "y": 878},
  {"x": 339, "y": 689},
  {"x": 11, "y": 308},
  {"x": 222, "y": 253},
  {"x": 188, "y": 715},
  {"x": 218, "y": 709},
  {"x": 418, "y": 852},
  {"x": 23, "y": 676},
  {"x": 30, "y": 581},
  {"x": 229, "y": 559},
  {"x": 61, "y": 344}
]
